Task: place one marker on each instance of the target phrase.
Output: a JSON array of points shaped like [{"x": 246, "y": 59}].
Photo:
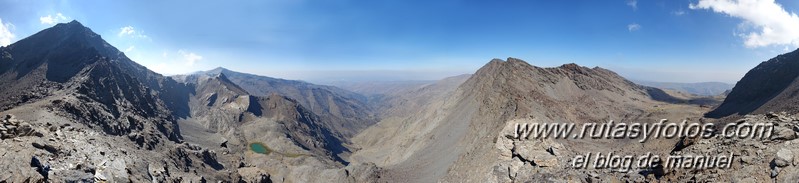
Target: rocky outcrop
[{"x": 11, "y": 127}]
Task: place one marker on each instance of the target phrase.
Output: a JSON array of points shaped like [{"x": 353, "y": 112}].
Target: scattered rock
[
  {"x": 12, "y": 127},
  {"x": 783, "y": 133},
  {"x": 783, "y": 158},
  {"x": 41, "y": 167},
  {"x": 531, "y": 151},
  {"x": 47, "y": 147},
  {"x": 255, "y": 175},
  {"x": 775, "y": 171},
  {"x": 157, "y": 172}
]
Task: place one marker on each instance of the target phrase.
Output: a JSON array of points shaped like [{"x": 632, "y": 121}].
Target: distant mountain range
[
  {"x": 344, "y": 112},
  {"x": 701, "y": 89}
]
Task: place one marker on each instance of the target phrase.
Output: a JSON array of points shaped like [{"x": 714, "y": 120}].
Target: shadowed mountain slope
[
  {"x": 771, "y": 86},
  {"x": 115, "y": 93}
]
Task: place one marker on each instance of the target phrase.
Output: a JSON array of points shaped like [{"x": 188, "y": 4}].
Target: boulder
[
  {"x": 783, "y": 158},
  {"x": 783, "y": 133},
  {"x": 363, "y": 172},
  {"x": 41, "y": 167},
  {"x": 157, "y": 172}
]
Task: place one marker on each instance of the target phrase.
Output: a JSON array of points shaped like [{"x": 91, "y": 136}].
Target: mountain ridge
[
  {"x": 346, "y": 112},
  {"x": 771, "y": 86},
  {"x": 466, "y": 123},
  {"x": 700, "y": 88}
]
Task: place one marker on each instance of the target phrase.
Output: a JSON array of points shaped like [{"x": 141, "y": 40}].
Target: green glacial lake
[{"x": 259, "y": 148}]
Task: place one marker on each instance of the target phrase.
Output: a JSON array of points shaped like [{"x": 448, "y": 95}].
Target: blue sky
[{"x": 657, "y": 40}]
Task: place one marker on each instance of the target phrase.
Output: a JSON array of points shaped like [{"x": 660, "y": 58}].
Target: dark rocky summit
[{"x": 99, "y": 84}]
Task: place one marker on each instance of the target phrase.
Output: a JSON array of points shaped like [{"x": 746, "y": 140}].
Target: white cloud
[
  {"x": 633, "y": 4},
  {"x": 769, "y": 23},
  {"x": 130, "y": 49},
  {"x": 633, "y": 27},
  {"x": 129, "y": 31},
  {"x": 190, "y": 58},
  {"x": 52, "y": 20},
  {"x": 678, "y": 12},
  {"x": 6, "y": 37}
]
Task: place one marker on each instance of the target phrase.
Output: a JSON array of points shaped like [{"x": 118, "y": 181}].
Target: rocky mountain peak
[
  {"x": 571, "y": 66},
  {"x": 514, "y": 67},
  {"x": 104, "y": 89},
  {"x": 218, "y": 70},
  {"x": 498, "y": 66},
  {"x": 72, "y": 34},
  {"x": 222, "y": 81}
]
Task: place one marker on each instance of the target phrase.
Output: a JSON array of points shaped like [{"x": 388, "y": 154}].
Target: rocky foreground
[
  {"x": 769, "y": 159},
  {"x": 757, "y": 160}
]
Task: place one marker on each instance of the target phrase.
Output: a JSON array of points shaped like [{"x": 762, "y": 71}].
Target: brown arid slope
[{"x": 457, "y": 137}]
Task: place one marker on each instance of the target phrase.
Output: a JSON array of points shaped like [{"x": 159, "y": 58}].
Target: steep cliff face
[{"x": 772, "y": 86}]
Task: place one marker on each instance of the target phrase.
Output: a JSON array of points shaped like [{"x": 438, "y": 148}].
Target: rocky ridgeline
[{"x": 12, "y": 127}]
